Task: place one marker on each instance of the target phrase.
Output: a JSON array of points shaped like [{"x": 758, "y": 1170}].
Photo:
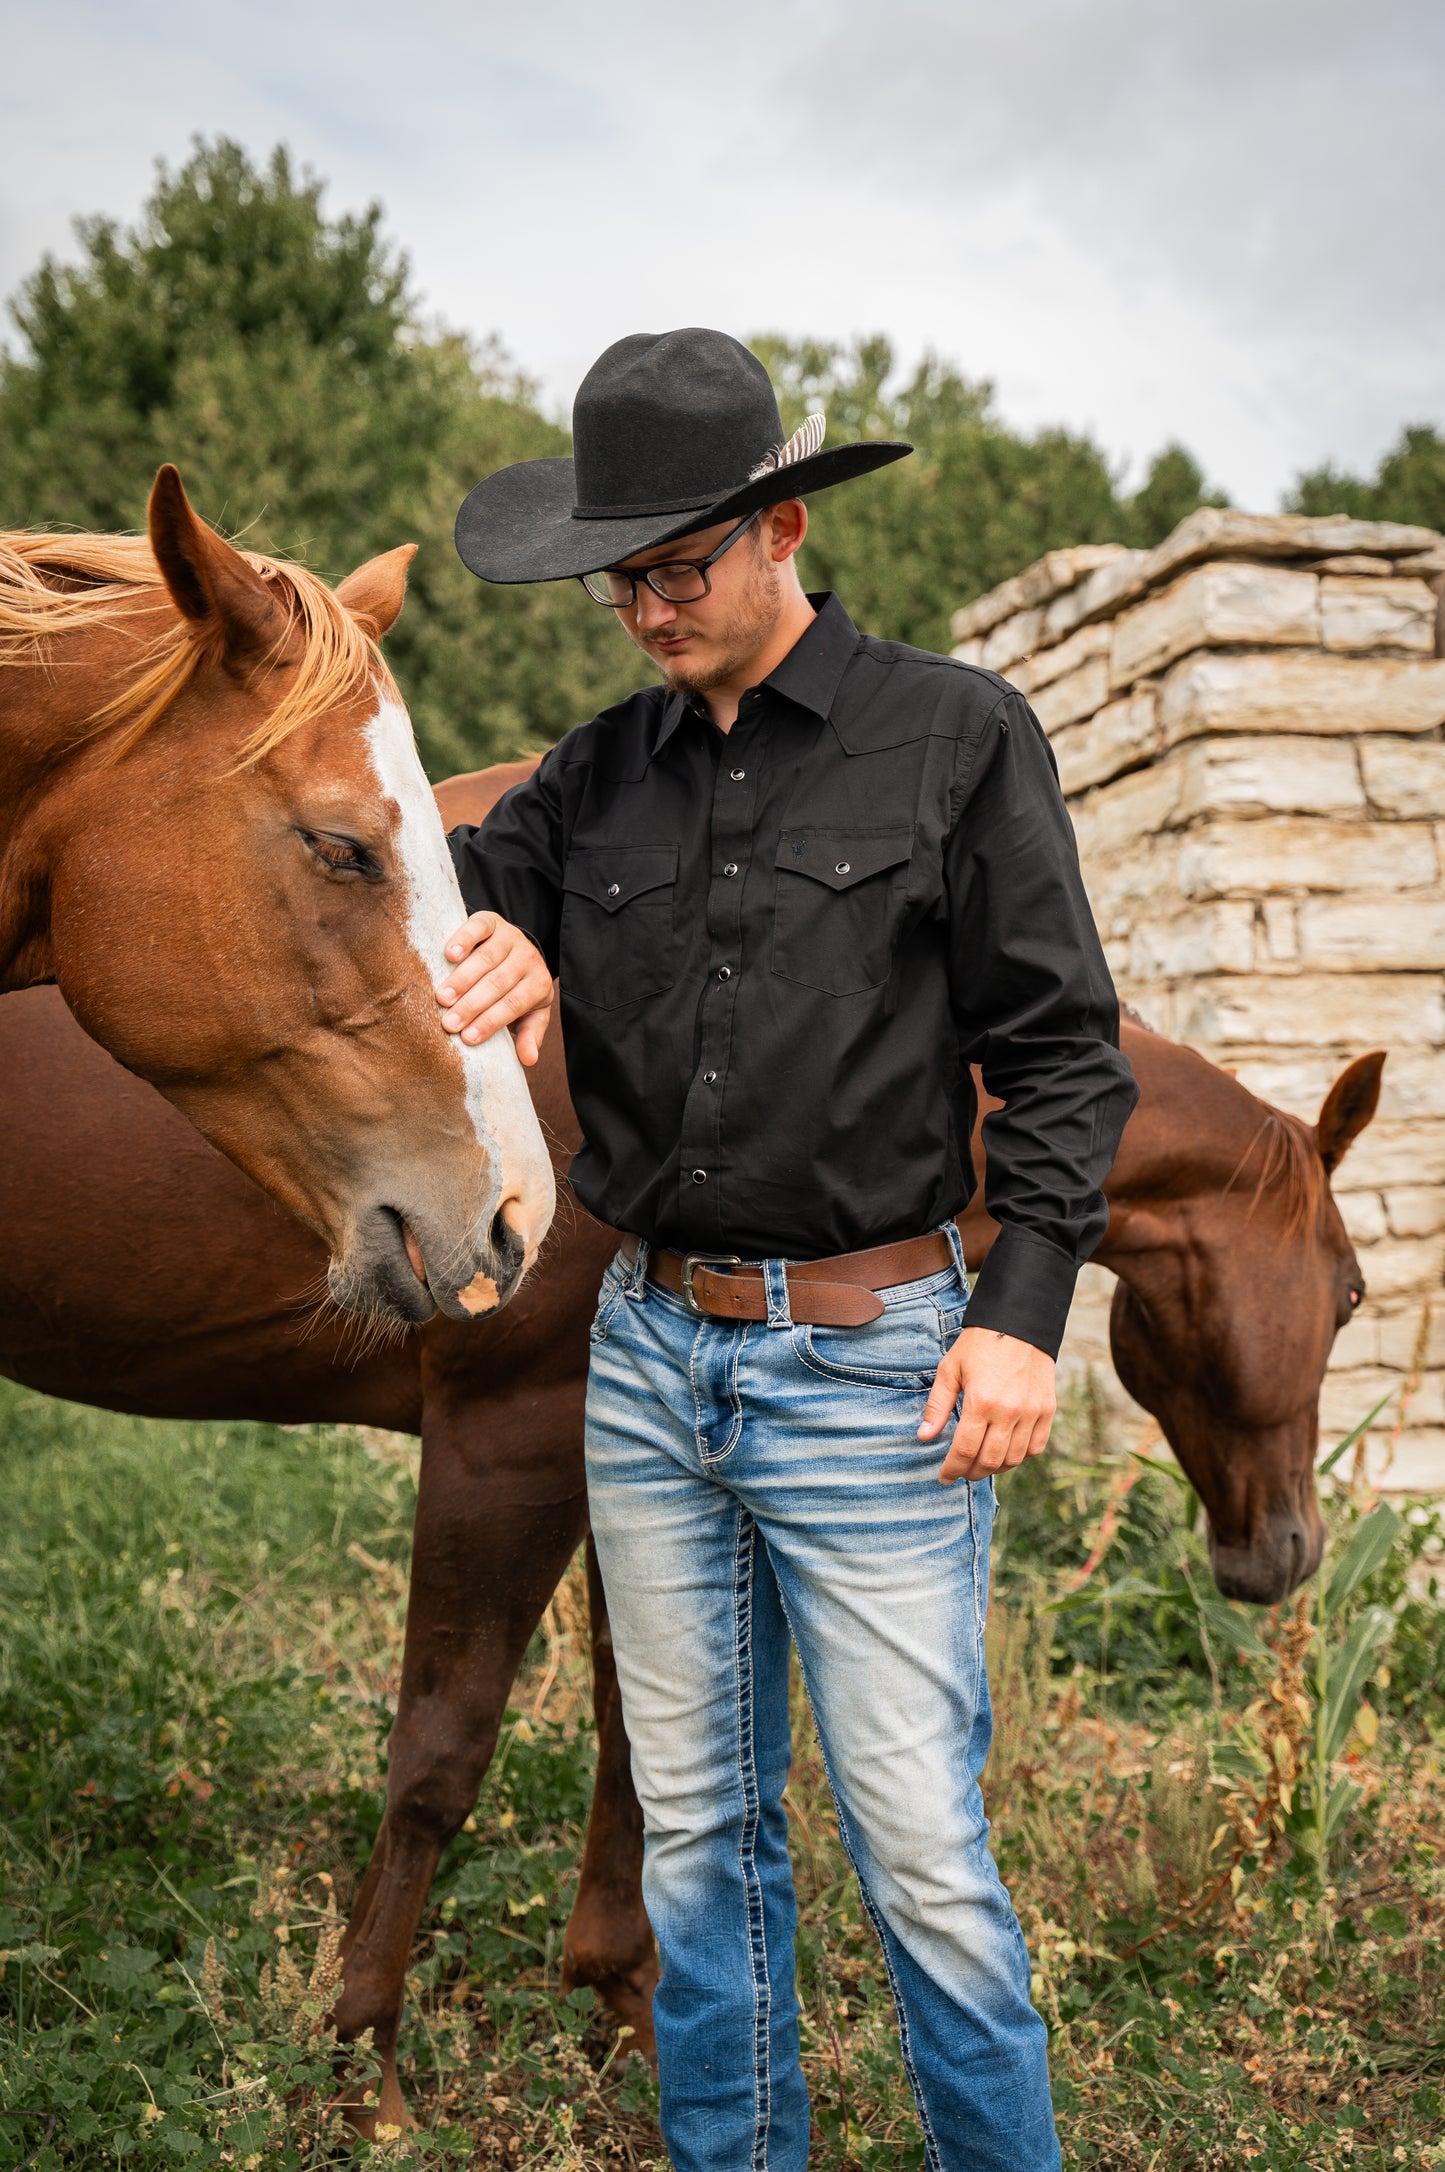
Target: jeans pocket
[{"x": 900, "y": 1351}]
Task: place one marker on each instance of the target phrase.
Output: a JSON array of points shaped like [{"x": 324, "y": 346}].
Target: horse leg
[
  {"x": 609, "y": 1939},
  {"x": 501, "y": 1507}
]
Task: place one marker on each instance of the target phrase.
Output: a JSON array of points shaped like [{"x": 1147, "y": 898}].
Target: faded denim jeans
[{"x": 753, "y": 1485}]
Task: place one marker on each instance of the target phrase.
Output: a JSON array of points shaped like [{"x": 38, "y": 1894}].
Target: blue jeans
[{"x": 752, "y": 1485}]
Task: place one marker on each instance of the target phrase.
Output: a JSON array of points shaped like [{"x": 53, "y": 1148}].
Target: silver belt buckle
[{"x": 691, "y": 1262}]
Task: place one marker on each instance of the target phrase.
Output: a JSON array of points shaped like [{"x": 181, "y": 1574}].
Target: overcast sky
[{"x": 1217, "y": 220}]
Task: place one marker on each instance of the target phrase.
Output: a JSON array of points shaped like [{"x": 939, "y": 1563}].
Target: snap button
[
  {"x": 614, "y": 889},
  {"x": 738, "y": 775},
  {"x": 709, "y": 1078},
  {"x": 844, "y": 867},
  {"x": 724, "y": 972},
  {"x": 731, "y": 868},
  {"x": 699, "y": 1176}
]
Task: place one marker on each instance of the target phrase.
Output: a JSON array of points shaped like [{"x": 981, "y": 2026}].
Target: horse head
[
  {"x": 227, "y": 857},
  {"x": 1235, "y": 1275}
]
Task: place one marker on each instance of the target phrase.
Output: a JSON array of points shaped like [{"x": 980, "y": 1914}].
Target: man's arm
[
  {"x": 503, "y": 958},
  {"x": 1036, "y": 1010}
]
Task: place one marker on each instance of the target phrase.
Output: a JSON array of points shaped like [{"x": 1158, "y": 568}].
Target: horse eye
[
  {"x": 1356, "y": 1295},
  {"x": 343, "y": 855}
]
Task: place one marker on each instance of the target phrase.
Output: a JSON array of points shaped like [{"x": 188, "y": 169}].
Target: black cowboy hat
[{"x": 672, "y": 431}]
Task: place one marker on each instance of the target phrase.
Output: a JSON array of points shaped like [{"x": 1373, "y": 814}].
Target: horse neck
[
  {"x": 1196, "y": 1134},
  {"x": 46, "y": 749}
]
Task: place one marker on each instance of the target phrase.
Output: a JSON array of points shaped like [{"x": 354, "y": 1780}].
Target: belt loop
[
  {"x": 636, "y": 1284},
  {"x": 775, "y": 1286},
  {"x": 955, "y": 1246}
]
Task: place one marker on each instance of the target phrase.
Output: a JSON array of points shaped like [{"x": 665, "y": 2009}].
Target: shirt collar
[{"x": 810, "y": 674}]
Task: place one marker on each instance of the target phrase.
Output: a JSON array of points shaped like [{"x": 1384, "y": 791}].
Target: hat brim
[{"x": 518, "y": 525}]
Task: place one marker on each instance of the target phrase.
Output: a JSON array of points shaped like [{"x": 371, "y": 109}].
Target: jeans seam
[
  {"x": 748, "y": 1840},
  {"x": 711, "y": 1462},
  {"x": 932, "y": 2155}
]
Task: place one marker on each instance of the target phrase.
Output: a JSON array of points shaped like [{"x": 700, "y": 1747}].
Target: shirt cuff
[{"x": 1024, "y": 1288}]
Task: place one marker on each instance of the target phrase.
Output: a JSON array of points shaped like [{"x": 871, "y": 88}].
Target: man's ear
[
  {"x": 375, "y": 592},
  {"x": 211, "y": 584},
  {"x": 789, "y": 525}
]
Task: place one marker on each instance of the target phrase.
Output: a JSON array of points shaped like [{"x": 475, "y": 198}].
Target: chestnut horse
[
  {"x": 143, "y": 1273},
  {"x": 219, "y": 844}
]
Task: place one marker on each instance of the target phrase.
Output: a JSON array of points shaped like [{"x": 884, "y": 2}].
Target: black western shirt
[{"x": 780, "y": 949}]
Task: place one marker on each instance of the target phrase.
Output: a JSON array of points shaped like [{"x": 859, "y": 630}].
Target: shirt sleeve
[
  {"x": 512, "y": 862},
  {"x": 1036, "y": 1010}
]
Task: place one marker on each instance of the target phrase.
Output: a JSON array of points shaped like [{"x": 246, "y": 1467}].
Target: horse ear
[
  {"x": 210, "y": 583},
  {"x": 1348, "y": 1107},
  {"x": 375, "y": 592}
]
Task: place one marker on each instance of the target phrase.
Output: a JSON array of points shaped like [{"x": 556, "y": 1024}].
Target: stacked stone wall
[{"x": 1249, "y": 724}]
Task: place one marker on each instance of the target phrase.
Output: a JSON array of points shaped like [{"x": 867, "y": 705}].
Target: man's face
[{"x": 704, "y": 644}]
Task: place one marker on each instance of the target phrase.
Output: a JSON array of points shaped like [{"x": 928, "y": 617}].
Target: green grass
[{"x": 201, "y": 1638}]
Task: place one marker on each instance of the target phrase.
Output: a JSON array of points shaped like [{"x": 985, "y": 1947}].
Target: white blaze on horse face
[{"x": 497, "y": 1098}]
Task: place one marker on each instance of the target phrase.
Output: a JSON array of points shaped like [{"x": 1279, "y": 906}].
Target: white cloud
[{"x": 1143, "y": 217}]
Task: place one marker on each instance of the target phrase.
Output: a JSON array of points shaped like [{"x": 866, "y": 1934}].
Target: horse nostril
[{"x": 507, "y": 1249}]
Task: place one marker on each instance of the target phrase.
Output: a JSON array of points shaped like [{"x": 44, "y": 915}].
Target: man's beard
[{"x": 729, "y": 645}]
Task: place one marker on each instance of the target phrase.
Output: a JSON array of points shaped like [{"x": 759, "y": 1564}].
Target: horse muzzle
[{"x": 400, "y": 1266}]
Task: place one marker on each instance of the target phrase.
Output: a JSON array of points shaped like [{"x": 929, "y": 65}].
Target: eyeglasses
[{"x": 684, "y": 580}]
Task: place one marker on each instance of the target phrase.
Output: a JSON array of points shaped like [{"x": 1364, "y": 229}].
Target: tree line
[{"x": 279, "y": 357}]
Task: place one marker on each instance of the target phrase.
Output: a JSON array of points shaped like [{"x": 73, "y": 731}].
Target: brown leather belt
[{"x": 837, "y": 1292}]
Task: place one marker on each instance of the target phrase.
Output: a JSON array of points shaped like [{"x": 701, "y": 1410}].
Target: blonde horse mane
[{"x": 53, "y": 585}]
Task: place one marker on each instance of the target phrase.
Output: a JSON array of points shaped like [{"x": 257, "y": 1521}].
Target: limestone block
[
  {"x": 1297, "y": 853},
  {"x": 1367, "y": 614},
  {"x": 1348, "y": 1397},
  {"x": 1297, "y": 691},
  {"x": 1401, "y": 1267},
  {"x": 1277, "y": 940},
  {"x": 1413, "y": 1084},
  {"x": 1363, "y": 1214},
  {"x": 1348, "y": 1009},
  {"x": 1013, "y": 639},
  {"x": 1096, "y": 596},
  {"x": 1414, "y": 1334},
  {"x": 1413, "y": 1464},
  {"x": 1354, "y": 562},
  {"x": 1056, "y": 570},
  {"x": 1120, "y": 814},
  {"x": 1085, "y": 583},
  {"x": 1357, "y": 1343},
  {"x": 1268, "y": 776},
  {"x": 1404, "y": 776},
  {"x": 1123, "y": 733},
  {"x": 1415, "y": 1210},
  {"x": 1069, "y": 700},
  {"x": 1217, "y": 938},
  {"x": 1394, "y": 1152},
  {"x": 1399, "y": 934},
  {"x": 1213, "y": 607},
  {"x": 968, "y": 652},
  {"x": 1048, "y": 664}
]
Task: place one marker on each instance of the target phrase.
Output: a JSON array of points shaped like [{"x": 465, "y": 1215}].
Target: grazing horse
[
  {"x": 144, "y": 1274},
  {"x": 219, "y": 844}
]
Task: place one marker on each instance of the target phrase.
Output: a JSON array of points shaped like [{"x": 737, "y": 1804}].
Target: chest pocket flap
[
  {"x": 840, "y": 858},
  {"x": 612, "y": 875}
]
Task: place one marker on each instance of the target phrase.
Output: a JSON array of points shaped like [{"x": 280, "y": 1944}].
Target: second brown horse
[{"x": 144, "y": 1273}]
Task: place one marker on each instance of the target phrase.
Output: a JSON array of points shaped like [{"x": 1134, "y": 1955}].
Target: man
[{"x": 790, "y": 895}]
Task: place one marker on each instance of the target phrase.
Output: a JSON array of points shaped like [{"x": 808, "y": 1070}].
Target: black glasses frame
[{"x": 645, "y": 573}]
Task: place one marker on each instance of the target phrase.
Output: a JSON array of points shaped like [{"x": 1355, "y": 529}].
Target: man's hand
[
  {"x": 1008, "y": 1403},
  {"x": 498, "y": 978}
]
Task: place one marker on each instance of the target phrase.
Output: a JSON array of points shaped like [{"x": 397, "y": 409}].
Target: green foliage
[
  {"x": 1408, "y": 485},
  {"x": 276, "y": 356},
  {"x": 201, "y": 1638},
  {"x": 975, "y": 503}
]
